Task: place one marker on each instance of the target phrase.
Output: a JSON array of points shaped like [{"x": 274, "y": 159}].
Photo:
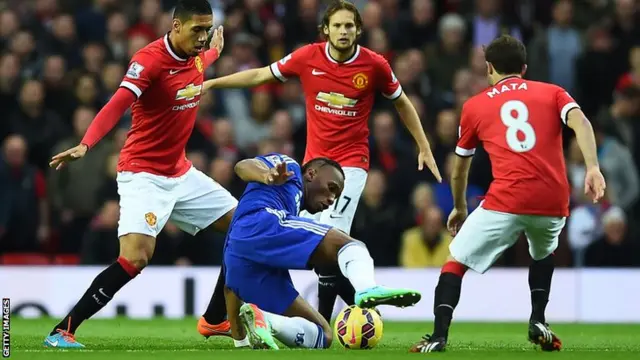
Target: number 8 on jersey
[{"x": 515, "y": 116}]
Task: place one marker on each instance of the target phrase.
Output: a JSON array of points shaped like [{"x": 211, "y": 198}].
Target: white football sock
[
  {"x": 357, "y": 265},
  {"x": 296, "y": 331}
]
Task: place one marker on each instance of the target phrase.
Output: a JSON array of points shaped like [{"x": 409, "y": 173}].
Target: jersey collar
[
  {"x": 167, "y": 44},
  {"x": 508, "y": 78},
  {"x": 348, "y": 61}
]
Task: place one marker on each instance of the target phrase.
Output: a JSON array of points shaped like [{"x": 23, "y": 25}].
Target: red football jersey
[
  {"x": 519, "y": 123},
  {"x": 339, "y": 99},
  {"x": 168, "y": 88}
]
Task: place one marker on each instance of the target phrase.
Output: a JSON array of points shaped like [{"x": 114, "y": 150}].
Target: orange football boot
[{"x": 205, "y": 329}]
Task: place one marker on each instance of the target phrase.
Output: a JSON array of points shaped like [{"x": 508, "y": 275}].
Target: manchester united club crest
[
  {"x": 360, "y": 80},
  {"x": 150, "y": 218},
  {"x": 199, "y": 65}
]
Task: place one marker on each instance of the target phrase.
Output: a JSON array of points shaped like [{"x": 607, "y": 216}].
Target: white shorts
[
  {"x": 192, "y": 201},
  {"x": 341, "y": 214},
  {"x": 486, "y": 234}
]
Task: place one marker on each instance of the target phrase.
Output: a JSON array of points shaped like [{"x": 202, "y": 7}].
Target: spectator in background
[
  {"x": 377, "y": 220},
  {"x": 63, "y": 40},
  {"x": 621, "y": 120},
  {"x": 632, "y": 77},
  {"x": 553, "y": 52},
  {"x": 9, "y": 25},
  {"x": 615, "y": 248},
  {"x": 273, "y": 47},
  {"x": 86, "y": 91},
  {"x": 426, "y": 245},
  {"x": 421, "y": 199},
  {"x": 372, "y": 18},
  {"x": 447, "y": 135},
  {"x": 223, "y": 139},
  {"x": 198, "y": 160},
  {"x": 40, "y": 127},
  {"x": 392, "y": 157},
  {"x": 24, "y": 47},
  {"x": 418, "y": 25},
  {"x": 74, "y": 190},
  {"x": 9, "y": 85},
  {"x": 583, "y": 227},
  {"x": 98, "y": 247},
  {"x": 112, "y": 75},
  {"x": 282, "y": 132},
  {"x": 625, "y": 30},
  {"x": 595, "y": 75},
  {"x": 24, "y": 212},
  {"x": 488, "y": 23},
  {"x": 116, "y": 36},
  {"x": 620, "y": 170},
  {"x": 148, "y": 14},
  {"x": 109, "y": 189},
  {"x": 93, "y": 56},
  {"x": 450, "y": 53},
  {"x": 57, "y": 95},
  {"x": 221, "y": 170}
]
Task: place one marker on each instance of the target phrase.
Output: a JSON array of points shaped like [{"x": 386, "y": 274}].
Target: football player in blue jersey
[{"x": 267, "y": 238}]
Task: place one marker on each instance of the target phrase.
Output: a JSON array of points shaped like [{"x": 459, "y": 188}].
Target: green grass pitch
[{"x": 161, "y": 339}]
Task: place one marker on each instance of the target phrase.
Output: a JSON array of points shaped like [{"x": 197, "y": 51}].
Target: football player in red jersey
[
  {"x": 519, "y": 123},
  {"x": 156, "y": 182},
  {"x": 340, "y": 80}
]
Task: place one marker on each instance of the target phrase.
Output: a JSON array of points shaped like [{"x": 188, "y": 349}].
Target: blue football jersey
[{"x": 286, "y": 197}]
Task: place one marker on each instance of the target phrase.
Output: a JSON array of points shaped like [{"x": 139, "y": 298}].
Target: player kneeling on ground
[
  {"x": 530, "y": 190},
  {"x": 267, "y": 238}
]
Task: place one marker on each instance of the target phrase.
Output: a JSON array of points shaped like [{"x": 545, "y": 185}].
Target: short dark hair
[
  {"x": 185, "y": 9},
  {"x": 320, "y": 162},
  {"x": 334, "y": 7},
  {"x": 507, "y": 54}
]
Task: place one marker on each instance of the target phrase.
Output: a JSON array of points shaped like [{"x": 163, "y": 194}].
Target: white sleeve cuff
[
  {"x": 276, "y": 72},
  {"x": 465, "y": 152},
  {"x": 396, "y": 94},
  {"x": 565, "y": 110},
  {"x": 131, "y": 86}
]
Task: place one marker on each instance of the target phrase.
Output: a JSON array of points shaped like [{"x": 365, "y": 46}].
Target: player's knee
[
  {"x": 357, "y": 245},
  {"x": 137, "y": 249}
]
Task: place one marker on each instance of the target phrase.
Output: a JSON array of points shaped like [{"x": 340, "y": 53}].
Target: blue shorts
[{"x": 259, "y": 251}]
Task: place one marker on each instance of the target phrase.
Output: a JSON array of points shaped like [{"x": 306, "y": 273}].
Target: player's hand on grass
[
  {"x": 594, "y": 184},
  {"x": 75, "y": 153},
  {"x": 278, "y": 175},
  {"x": 425, "y": 157},
  {"x": 456, "y": 218},
  {"x": 217, "y": 40}
]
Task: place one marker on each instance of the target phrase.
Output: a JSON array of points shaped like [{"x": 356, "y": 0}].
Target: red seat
[
  {"x": 66, "y": 259},
  {"x": 25, "y": 259}
]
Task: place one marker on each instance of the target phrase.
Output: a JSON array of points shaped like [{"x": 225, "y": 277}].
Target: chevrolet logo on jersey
[
  {"x": 189, "y": 92},
  {"x": 336, "y": 100}
]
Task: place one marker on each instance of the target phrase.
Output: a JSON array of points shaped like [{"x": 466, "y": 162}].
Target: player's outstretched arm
[
  {"x": 243, "y": 79},
  {"x": 106, "y": 119},
  {"x": 411, "y": 120},
  {"x": 254, "y": 170},
  {"x": 594, "y": 184}
]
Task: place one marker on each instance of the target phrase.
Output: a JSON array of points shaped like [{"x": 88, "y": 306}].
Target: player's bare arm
[
  {"x": 243, "y": 79},
  {"x": 254, "y": 170},
  {"x": 594, "y": 183},
  {"x": 411, "y": 120},
  {"x": 459, "y": 179}
]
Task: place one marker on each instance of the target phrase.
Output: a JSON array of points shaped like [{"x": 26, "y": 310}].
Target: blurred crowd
[{"x": 61, "y": 60}]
